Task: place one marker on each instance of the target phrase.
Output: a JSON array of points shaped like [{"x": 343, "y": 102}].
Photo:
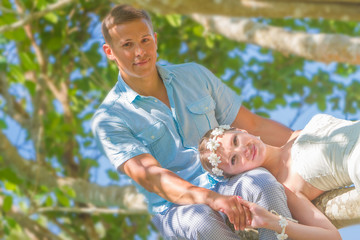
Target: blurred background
[{"x": 289, "y": 61}]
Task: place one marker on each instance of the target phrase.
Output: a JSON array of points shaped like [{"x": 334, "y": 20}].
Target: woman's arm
[
  {"x": 306, "y": 213},
  {"x": 312, "y": 223}
]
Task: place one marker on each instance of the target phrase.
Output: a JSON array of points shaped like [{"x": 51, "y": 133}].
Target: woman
[{"x": 325, "y": 155}]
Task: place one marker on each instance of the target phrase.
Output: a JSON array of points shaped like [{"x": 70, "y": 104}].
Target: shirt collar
[
  {"x": 125, "y": 90},
  {"x": 165, "y": 74}
]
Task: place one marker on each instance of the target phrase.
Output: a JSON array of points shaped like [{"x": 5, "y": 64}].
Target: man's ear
[
  {"x": 108, "y": 52},
  {"x": 155, "y": 37}
]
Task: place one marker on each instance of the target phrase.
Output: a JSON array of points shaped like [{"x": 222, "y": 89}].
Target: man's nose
[{"x": 139, "y": 50}]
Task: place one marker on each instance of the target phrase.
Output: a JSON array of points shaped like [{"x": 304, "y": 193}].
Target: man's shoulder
[
  {"x": 185, "y": 72},
  {"x": 109, "y": 106},
  {"x": 110, "y": 99},
  {"x": 183, "y": 67}
]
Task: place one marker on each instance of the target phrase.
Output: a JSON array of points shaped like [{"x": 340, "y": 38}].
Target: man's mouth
[{"x": 141, "y": 62}]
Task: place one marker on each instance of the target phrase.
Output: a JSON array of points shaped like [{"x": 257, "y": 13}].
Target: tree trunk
[
  {"x": 337, "y": 10},
  {"x": 318, "y": 47}
]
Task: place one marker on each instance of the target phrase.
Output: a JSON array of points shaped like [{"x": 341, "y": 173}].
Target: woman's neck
[{"x": 276, "y": 160}]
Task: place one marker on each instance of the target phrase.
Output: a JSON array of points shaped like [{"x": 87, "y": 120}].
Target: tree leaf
[
  {"x": 113, "y": 175},
  {"x": 174, "y": 20},
  {"x": 28, "y": 63},
  {"x": 3, "y": 124},
  {"x": 7, "y": 204},
  {"x": 51, "y": 17}
]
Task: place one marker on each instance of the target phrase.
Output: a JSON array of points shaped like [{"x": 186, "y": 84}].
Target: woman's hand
[
  {"x": 238, "y": 214},
  {"x": 261, "y": 218}
]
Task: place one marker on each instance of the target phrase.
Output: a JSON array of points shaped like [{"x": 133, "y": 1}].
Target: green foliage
[
  {"x": 70, "y": 44},
  {"x": 113, "y": 175},
  {"x": 7, "y": 204},
  {"x": 2, "y": 124}
]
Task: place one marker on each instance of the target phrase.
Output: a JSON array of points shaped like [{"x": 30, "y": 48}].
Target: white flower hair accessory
[{"x": 212, "y": 145}]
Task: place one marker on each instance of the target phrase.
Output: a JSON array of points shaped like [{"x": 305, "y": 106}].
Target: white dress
[{"x": 327, "y": 153}]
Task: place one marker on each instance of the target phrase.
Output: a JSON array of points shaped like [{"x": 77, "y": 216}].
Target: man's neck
[{"x": 150, "y": 86}]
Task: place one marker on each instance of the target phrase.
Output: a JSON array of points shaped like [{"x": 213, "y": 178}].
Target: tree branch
[
  {"x": 125, "y": 197},
  {"x": 337, "y": 10},
  {"x": 34, "y": 16},
  {"x": 30, "y": 227},
  {"x": 341, "y": 206},
  {"x": 90, "y": 210},
  {"x": 326, "y": 9},
  {"x": 318, "y": 47},
  {"x": 37, "y": 128},
  {"x": 13, "y": 108}
]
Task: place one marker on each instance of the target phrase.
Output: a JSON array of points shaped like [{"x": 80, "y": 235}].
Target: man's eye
[
  {"x": 146, "y": 40},
  {"x": 128, "y": 44}
]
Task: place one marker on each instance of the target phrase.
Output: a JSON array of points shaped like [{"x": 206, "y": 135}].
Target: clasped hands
[{"x": 234, "y": 208}]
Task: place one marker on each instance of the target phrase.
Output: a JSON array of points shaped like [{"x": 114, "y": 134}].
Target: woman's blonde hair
[{"x": 204, "y": 153}]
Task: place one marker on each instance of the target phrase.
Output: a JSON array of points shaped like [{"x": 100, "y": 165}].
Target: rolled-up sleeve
[
  {"x": 116, "y": 140},
  {"x": 228, "y": 102}
]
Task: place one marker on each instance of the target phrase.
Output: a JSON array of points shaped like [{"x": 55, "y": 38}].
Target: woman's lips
[{"x": 254, "y": 152}]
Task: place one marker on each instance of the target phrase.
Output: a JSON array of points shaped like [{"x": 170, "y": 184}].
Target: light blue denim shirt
[{"x": 127, "y": 124}]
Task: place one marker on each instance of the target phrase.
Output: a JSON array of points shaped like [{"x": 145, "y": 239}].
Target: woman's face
[{"x": 240, "y": 151}]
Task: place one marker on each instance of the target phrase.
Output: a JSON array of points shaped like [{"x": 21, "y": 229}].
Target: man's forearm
[
  {"x": 271, "y": 132},
  {"x": 274, "y": 133},
  {"x": 175, "y": 189},
  {"x": 146, "y": 171}
]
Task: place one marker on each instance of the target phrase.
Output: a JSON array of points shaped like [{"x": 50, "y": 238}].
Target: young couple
[{"x": 149, "y": 126}]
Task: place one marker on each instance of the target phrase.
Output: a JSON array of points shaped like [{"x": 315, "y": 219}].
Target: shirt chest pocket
[
  {"x": 153, "y": 138},
  {"x": 203, "y": 114}
]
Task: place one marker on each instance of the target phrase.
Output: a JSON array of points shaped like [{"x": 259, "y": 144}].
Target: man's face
[{"x": 133, "y": 48}]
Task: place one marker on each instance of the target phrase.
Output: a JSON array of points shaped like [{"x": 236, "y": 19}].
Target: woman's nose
[{"x": 244, "y": 151}]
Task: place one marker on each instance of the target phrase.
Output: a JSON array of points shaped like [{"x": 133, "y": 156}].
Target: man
[{"x": 149, "y": 126}]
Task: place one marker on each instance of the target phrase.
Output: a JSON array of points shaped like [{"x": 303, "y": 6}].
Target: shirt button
[
  {"x": 155, "y": 100},
  {"x": 206, "y": 108},
  {"x": 152, "y": 137}
]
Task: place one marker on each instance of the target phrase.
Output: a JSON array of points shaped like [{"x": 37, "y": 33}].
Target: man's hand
[
  {"x": 261, "y": 218},
  {"x": 146, "y": 171},
  {"x": 238, "y": 214}
]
